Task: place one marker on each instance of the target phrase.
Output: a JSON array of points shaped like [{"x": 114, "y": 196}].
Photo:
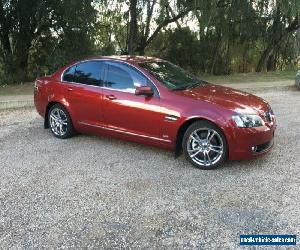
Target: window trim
[{"x": 104, "y": 74}]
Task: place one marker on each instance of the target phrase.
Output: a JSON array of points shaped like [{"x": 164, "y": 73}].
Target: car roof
[
  {"x": 124, "y": 58},
  {"x": 127, "y": 58}
]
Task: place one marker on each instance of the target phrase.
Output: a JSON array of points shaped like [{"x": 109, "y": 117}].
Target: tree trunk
[
  {"x": 145, "y": 41},
  {"x": 141, "y": 50},
  {"x": 264, "y": 58},
  {"x": 278, "y": 35},
  {"x": 216, "y": 54},
  {"x": 173, "y": 15},
  {"x": 271, "y": 64},
  {"x": 132, "y": 37},
  {"x": 4, "y": 34}
]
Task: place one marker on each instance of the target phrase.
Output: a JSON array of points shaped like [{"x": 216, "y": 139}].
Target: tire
[
  {"x": 204, "y": 145},
  {"x": 60, "y": 122}
]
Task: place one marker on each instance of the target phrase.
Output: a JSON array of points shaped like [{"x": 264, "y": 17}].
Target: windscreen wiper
[
  {"x": 181, "y": 88},
  {"x": 190, "y": 86},
  {"x": 196, "y": 84}
]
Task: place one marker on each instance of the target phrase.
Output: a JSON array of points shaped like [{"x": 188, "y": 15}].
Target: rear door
[{"x": 83, "y": 91}]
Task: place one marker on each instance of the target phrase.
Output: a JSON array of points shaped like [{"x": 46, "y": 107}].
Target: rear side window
[
  {"x": 69, "y": 74},
  {"x": 89, "y": 73}
]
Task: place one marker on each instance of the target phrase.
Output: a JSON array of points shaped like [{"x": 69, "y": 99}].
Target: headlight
[{"x": 248, "y": 121}]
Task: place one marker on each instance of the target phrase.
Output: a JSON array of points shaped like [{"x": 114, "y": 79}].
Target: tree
[
  {"x": 212, "y": 36},
  {"x": 139, "y": 32},
  {"x": 282, "y": 20},
  {"x": 132, "y": 27},
  {"x": 22, "y": 24}
]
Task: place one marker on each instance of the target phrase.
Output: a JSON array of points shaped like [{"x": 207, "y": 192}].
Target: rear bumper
[
  {"x": 38, "y": 103},
  {"x": 249, "y": 143}
]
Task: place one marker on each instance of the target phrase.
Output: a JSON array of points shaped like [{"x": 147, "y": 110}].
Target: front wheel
[
  {"x": 204, "y": 145},
  {"x": 60, "y": 122}
]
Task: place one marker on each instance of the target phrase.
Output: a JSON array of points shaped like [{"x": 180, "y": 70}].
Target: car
[
  {"x": 152, "y": 101},
  {"x": 297, "y": 80}
]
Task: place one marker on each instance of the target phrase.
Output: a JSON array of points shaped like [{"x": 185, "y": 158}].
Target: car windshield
[{"x": 172, "y": 76}]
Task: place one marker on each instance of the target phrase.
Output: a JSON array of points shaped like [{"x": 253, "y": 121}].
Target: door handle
[
  {"x": 111, "y": 97},
  {"x": 69, "y": 89}
]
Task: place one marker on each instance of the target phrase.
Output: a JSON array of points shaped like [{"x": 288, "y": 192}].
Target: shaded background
[{"x": 204, "y": 36}]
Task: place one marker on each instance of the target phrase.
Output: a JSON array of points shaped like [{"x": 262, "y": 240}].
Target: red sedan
[{"x": 152, "y": 101}]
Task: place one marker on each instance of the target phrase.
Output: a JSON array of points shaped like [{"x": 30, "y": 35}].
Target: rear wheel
[
  {"x": 204, "y": 145},
  {"x": 60, "y": 122}
]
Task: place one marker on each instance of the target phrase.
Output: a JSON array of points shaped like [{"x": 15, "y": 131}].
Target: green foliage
[
  {"x": 110, "y": 32},
  {"x": 226, "y": 36},
  {"x": 180, "y": 46},
  {"x": 234, "y": 36},
  {"x": 39, "y": 37}
]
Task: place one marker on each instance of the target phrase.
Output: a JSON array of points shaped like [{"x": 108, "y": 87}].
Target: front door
[{"x": 126, "y": 112}]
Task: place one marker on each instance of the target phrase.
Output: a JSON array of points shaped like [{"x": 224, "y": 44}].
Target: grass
[
  {"x": 27, "y": 88},
  {"x": 17, "y": 89},
  {"x": 252, "y": 77}
]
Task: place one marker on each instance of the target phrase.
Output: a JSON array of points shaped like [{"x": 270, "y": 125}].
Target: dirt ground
[{"x": 95, "y": 192}]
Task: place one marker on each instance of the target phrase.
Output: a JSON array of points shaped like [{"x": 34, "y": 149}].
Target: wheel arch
[{"x": 185, "y": 125}]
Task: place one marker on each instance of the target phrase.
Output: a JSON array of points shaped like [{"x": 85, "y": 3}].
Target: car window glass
[
  {"x": 69, "y": 74},
  {"x": 118, "y": 78},
  {"x": 124, "y": 77},
  {"x": 170, "y": 75},
  {"x": 140, "y": 80},
  {"x": 89, "y": 73}
]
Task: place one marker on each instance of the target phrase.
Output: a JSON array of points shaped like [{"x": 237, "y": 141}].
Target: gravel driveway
[{"x": 93, "y": 192}]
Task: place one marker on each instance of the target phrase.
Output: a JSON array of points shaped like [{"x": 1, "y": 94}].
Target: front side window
[
  {"x": 122, "y": 77},
  {"x": 170, "y": 75},
  {"x": 118, "y": 78}
]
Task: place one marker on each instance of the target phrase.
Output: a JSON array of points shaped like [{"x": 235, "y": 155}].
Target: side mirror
[{"x": 144, "y": 90}]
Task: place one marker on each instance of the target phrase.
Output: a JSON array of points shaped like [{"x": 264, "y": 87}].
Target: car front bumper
[{"x": 249, "y": 143}]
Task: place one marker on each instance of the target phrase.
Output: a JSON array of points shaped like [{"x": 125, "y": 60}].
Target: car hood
[{"x": 235, "y": 100}]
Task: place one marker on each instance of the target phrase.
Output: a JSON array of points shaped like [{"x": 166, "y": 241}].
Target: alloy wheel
[
  {"x": 58, "y": 121},
  {"x": 205, "y": 147}
]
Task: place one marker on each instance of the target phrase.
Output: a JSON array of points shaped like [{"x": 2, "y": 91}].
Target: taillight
[{"x": 36, "y": 88}]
